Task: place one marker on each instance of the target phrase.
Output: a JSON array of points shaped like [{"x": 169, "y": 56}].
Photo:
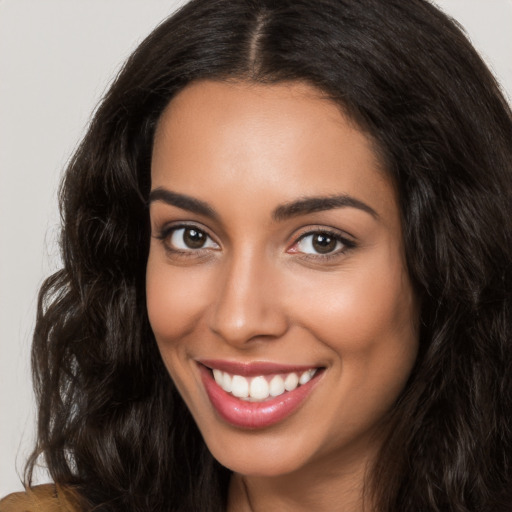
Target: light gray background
[{"x": 56, "y": 59}]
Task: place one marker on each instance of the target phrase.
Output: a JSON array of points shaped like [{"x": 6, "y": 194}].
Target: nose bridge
[{"x": 246, "y": 304}]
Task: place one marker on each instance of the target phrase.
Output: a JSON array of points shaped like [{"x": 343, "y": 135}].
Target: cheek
[
  {"x": 367, "y": 316},
  {"x": 176, "y": 298},
  {"x": 368, "y": 322},
  {"x": 368, "y": 310}
]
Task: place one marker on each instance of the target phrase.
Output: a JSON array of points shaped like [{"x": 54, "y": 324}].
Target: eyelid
[
  {"x": 347, "y": 240},
  {"x": 167, "y": 227},
  {"x": 164, "y": 232}
]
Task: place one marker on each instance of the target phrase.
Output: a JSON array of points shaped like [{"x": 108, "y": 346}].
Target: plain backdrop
[{"x": 57, "y": 57}]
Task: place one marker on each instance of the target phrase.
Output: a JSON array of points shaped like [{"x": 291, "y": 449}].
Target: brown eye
[
  {"x": 322, "y": 243},
  {"x": 193, "y": 238},
  {"x": 190, "y": 238}
]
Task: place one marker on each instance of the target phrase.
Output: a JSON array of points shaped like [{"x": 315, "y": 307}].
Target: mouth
[{"x": 257, "y": 395}]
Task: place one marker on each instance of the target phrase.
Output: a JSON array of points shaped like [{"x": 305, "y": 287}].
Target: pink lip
[{"x": 254, "y": 415}]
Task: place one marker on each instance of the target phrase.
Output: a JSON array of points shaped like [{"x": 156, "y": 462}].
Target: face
[{"x": 277, "y": 288}]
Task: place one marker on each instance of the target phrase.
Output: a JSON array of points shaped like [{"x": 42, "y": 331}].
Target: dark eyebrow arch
[
  {"x": 318, "y": 204},
  {"x": 281, "y": 213},
  {"x": 182, "y": 201}
]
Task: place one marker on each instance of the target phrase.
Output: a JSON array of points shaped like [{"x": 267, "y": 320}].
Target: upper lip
[{"x": 253, "y": 369}]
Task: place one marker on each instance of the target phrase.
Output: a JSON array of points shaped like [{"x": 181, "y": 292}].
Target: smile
[
  {"x": 261, "y": 387},
  {"x": 257, "y": 395}
]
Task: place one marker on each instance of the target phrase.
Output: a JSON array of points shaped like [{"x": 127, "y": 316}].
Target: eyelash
[
  {"x": 168, "y": 231},
  {"x": 346, "y": 244}
]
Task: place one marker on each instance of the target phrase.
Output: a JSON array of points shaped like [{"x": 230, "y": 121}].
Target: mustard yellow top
[{"x": 43, "y": 498}]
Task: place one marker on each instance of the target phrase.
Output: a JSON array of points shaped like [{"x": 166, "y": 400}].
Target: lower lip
[{"x": 254, "y": 415}]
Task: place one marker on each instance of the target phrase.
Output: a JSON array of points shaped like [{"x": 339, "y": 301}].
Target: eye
[
  {"x": 188, "y": 239},
  {"x": 322, "y": 243}
]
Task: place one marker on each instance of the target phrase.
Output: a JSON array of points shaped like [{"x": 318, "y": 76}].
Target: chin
[{"x": 264, "y": 463}]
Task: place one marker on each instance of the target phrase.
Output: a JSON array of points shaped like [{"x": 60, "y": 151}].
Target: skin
[{"x": 257, "y": 291}]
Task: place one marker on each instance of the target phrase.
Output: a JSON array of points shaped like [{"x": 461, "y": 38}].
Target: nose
[{"x": 247, "y": 306}]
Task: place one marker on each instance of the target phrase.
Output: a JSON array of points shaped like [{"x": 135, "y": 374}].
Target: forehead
[{"x": 281, "y": 141}]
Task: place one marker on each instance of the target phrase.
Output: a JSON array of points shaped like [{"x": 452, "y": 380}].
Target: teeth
[
  {"x": 259, "y": 388},
  {"x": 239, "y": 386},
  {"x": 306, "y": 376},
  {"x": 226, "y": 382},
  {"x": 291, "y": 381},
  {"x": 276, "y": 386},
  {"x": 217, "y": 375}
]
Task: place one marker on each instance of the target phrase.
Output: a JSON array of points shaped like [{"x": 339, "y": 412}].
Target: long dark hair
[{"x": 111, "y": 424}]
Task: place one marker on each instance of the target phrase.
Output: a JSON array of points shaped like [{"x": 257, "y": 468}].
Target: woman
[{"x": 287, "y": 271}]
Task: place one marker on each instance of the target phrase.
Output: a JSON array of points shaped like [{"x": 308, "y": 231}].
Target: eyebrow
[
  {"x": 283, "y": 212},
  {"x": 183, "y": 201},
  {"x": 318, "y": 204}
]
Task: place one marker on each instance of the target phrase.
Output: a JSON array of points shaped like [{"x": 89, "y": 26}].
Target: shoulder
[{"x": 43, "y": 498}]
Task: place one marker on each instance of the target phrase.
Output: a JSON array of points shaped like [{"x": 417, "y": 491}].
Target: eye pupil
[
  {"x": 324, "y": 243},
  {"x": 193, "y": 238}
]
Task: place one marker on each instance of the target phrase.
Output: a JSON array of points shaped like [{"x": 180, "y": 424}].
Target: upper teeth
[{"x": 261, "y": 387}]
